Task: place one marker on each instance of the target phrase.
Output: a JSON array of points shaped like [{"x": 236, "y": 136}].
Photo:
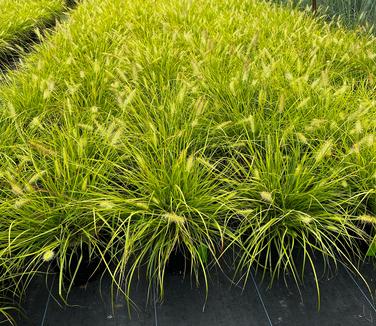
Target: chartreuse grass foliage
[
  {"x": 18, "y": 18},
  {"x": 142, "y": 128}
]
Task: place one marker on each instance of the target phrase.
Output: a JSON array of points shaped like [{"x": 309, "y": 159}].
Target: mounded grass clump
[
  {"x": 140, "y": 129},
  {"x": 19, "y": 18}
]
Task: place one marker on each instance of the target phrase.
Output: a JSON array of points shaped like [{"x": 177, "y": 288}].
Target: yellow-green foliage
[
  {"x": 141, "y": 127},
  {"x": 19, "y": 17}
]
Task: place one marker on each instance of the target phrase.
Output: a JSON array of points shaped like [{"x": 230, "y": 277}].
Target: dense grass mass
[
  {"x": 18, "y": 18},
  {"x": 141, "y": 128}
]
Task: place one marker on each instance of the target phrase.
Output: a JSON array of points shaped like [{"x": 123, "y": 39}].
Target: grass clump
[
  {"x": 138, "y": 130},
  {"x": 19, "y": 18}
]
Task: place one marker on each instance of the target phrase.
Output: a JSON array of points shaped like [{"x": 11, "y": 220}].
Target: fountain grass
[
  {"x": 140, "y": 129},
  {"x": 20, "y": 18}
]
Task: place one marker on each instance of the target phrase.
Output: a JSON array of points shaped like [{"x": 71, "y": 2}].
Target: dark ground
[{"x": 345, "y": 300}]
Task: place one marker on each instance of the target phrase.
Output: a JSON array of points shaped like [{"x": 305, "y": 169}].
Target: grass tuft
[{"x": 141, "y": 130}]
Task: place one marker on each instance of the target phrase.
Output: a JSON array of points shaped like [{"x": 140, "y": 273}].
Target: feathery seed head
[
  {"x": 174, "y": 218},
  {"x": 48, "y": 255},
  {"x": 266, "y": 196}
]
